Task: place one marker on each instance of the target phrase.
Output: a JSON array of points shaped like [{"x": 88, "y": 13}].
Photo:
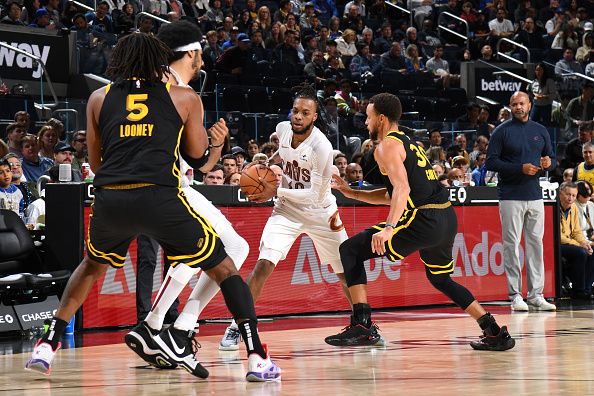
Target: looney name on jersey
[
  {"x": 296, "y": 174},
  {"x": 135, "y": 130}
]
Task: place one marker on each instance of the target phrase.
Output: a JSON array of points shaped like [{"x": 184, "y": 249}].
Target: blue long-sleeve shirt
[{"x": 513, "y": 144}]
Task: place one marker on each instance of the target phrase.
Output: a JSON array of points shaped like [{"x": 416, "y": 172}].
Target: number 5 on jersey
[{"x": 137, "y": 109}]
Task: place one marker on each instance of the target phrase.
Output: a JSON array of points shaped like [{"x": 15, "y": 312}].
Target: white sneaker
[
  {"x": 262, "y": 370},
  {"x": 41, "y": 359},
  {"x": 540, "y": 304},
  {"x": 518, "y": 304},
  {"x": 231, "y": 339}
]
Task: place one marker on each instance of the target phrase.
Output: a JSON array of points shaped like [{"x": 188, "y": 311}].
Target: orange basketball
[{"x": 250, "y": 179}]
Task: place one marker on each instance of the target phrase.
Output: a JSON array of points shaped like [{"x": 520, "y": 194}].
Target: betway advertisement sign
[
  {"x": 55, "y": 52},
  {"x": 301, "y": 283},
  {"x": 498, "y": 87}
]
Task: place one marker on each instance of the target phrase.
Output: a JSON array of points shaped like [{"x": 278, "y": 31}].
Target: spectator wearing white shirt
[
  {"x": 501, "y": 27},
  {"x": 585, "y": 209},
  {"x": 358, "y": 3},
  {"x": 553, "y": 25}
]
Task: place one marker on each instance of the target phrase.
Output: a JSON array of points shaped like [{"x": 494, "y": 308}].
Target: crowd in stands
[{"x": 349, "y": 50}]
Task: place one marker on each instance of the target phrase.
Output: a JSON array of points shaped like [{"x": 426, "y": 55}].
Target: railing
[
  {"x": 571, "y": 72},
  {"x": 59, "y": 112},
  {"x": 150, "y": 16},
  {"x": 203, "y": 77},
  {"x": 499, "y": 53},
  {"x": 465, "y": 38},
  {"x": 37, "y": 60},
  {"x": 503, "y": 71},
  {"x": 402, "y": 9},
  {"x": 84, "y": 6},
  {"x": 487, "y": 100}
]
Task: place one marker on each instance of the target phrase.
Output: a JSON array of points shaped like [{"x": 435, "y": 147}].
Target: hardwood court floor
[{"x": 427, "y": 353}]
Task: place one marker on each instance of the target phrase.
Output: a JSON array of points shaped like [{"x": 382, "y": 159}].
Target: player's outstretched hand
[
  {"x": 218, "y": 132},
  {"x": 338, "y": 183},
  {"x": 266, "y": 194}
]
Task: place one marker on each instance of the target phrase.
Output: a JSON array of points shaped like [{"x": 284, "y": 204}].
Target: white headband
[{"x": 189, "y": 47}]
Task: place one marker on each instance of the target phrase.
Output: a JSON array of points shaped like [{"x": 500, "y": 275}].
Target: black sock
[
  {"x": 488, "y": 324},
  {"x": 54, "y": 332},
  {"x": 362, "y": 314},
  {"x": 249, "y": 332}
]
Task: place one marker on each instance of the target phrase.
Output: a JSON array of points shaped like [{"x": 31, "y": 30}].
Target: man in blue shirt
[{"x": 519, "y": 149}]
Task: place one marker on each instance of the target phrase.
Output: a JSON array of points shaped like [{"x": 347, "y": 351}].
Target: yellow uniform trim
[
  {"x": 438, "y": 266},
  {"x": 441, "y": 272},
  {"x": 403, "y": 226},
  {"x": 99, "y": 254},
  {"x": 168, "y": 86},
  {"x": 209, "y": 234},
  {"x": 175, "y": 170},
  {"x": 107, "y": 88},
  {"x": 126, "y": 186},
  {"x": 410, "y": 203},
  {"x": 436, "y": 206},
  {"x": 395, "y": 138},
  {"x": 444, "y": 271}
]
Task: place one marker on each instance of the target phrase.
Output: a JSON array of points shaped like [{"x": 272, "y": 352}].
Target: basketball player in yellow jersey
[
  {"x": 420, "y": 218},
  {"x": 136, "y": 128},
  {"x": 585, "y": 170}
]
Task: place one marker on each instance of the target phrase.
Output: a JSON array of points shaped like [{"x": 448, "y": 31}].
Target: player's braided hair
[
  {"x": 308, "y": 91},
  {"x": 139, "y": 56}
]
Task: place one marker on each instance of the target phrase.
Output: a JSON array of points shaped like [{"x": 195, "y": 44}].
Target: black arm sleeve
[{"x": 195, "y": 163}]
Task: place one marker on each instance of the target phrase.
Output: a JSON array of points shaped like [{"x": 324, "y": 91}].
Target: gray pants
[{"x": 527, "y": 216}]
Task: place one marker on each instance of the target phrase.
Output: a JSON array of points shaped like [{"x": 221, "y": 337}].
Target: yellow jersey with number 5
[
  {"x": 140, "y": 132},
  {"x": 422, "y": 179}
]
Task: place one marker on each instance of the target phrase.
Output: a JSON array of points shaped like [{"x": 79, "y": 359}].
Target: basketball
[{"x": 250, "y": 179}]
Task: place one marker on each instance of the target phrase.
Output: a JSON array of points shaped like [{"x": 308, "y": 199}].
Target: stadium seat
[
  {"x": 281, "y": 101},
  {"x": 21, "y": 267},
  {"x": 234, "y": 99},
  {"x": 258, "y": 100}
]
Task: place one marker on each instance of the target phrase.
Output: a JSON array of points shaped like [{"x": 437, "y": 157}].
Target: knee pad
[
  {"x": 459, "y": 294},
  {"x": 354, "y": 270},
  {"x": 182, "y": 273},
  {"x": 238, "y": 298}
]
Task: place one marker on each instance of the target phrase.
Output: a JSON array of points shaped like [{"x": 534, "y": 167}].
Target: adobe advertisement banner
[{"x": 302, "y": 284}]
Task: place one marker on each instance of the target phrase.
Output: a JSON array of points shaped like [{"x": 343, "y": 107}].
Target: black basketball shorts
[{"x": 162, "y": 213}]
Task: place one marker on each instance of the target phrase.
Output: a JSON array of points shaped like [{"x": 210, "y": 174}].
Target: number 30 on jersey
[{"x": 423, "y": 162}]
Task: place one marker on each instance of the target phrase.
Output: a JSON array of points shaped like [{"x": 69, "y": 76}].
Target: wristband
[
  {"x": 393, "y": 226},
  {"x": 213, "y": 146}
]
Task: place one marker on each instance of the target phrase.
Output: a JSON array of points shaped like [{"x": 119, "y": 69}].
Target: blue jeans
[
  {"x": 541, "y": 114},
  {"x": 579, "y": 267}
]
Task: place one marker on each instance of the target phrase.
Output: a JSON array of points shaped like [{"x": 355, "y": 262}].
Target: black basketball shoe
[
  {"x": 500, "y": 342},
  {"x": 181, "y": 347},
  {"x": 140, "y": 340},
  {"x": 355, "y": 335}
]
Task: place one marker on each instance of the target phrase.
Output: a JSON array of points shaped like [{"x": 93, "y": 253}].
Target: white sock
[
  {"x": 189, "y": 317},
  {"x": 233, "y": 325},
  {"x": 175, "y": 281},
  {"x": 237, "y": 248}
]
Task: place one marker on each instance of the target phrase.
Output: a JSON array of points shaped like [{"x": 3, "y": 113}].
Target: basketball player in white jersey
[
  {"x": 182, "y": 37},
  {"x": 305, "y": 202}
]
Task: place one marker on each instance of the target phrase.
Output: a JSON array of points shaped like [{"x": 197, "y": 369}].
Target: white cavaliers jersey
[{"x": 307, "y": 171}]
